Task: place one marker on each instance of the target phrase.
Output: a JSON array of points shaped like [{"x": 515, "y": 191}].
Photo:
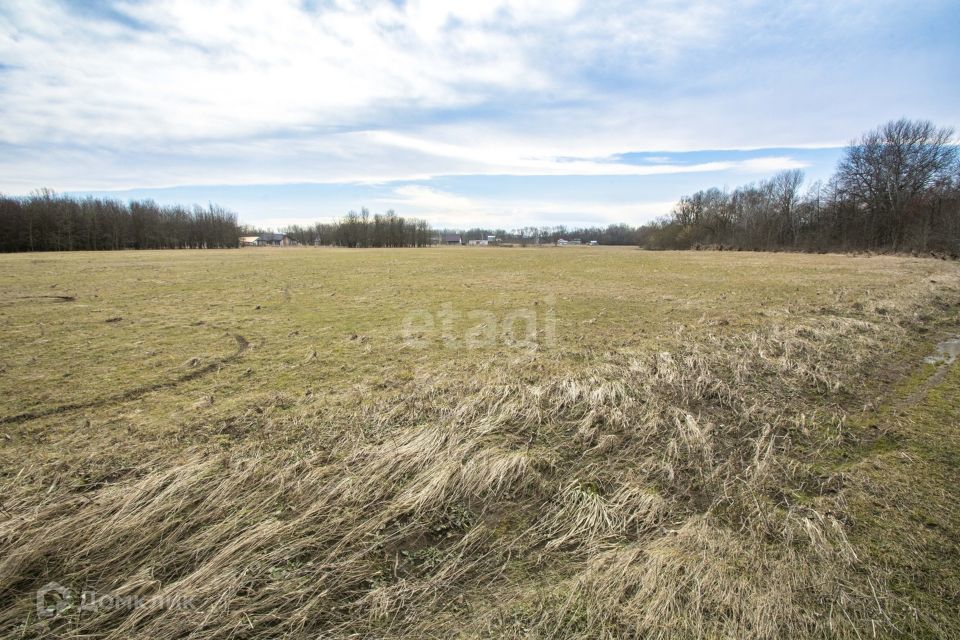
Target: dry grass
[{"x": 684, "y": 483}]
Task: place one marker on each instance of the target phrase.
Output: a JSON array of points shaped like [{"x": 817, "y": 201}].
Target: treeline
[
  {"x": 616, "y": 234},
  {"x": 45, "y": 221},
  {"x": 896, "y": 188},
  {"x": 390, "y": 230},
  {"x": 365, "y": 230}
]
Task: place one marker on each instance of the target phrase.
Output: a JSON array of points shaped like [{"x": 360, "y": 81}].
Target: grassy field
[{"x": 478, "y": 442}]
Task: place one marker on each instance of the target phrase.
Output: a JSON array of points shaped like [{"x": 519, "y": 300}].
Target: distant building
[
  {"x": 562, "y": 243},
  {"x": 451, "y": 238},
  {"x": 268, "y": 240},
  {"x": 593, "y": 243},
  {"x": 275, "y": 240}
]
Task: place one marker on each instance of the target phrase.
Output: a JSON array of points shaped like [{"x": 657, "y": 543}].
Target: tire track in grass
[{"x": 135, "y": 393}]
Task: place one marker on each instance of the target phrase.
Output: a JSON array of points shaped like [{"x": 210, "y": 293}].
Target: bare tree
[
  {"x": 785, "y": 191},
  {"x": 45, "y": 221},
  {"x": 896, "y": 188},
  {"x": 888, "y": 169}
]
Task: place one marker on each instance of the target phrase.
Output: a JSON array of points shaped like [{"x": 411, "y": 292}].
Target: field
[{"x": 581, "y": 442}]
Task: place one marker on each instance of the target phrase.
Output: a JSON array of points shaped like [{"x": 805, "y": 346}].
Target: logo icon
[{"x": 52, "y": 599}]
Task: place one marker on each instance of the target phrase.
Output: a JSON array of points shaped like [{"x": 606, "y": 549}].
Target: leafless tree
[
  {"x": 896, "y": 188},
  {"x": 888, "y": 169}
]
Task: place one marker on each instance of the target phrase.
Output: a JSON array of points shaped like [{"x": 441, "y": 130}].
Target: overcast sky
[{"x": 466, "y": 113}]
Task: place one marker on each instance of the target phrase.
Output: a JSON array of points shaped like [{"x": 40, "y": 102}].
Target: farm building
[
  {"x": 275, "y": 240},
  {"x": 451, "y": 238},
  {"x": 268, "y": 240}
]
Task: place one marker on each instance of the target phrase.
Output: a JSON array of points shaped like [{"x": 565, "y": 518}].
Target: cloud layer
[{"x": 146, "y": 94}]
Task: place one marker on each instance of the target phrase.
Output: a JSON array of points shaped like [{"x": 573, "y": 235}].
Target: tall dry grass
[{"x": 662, "y": 495}]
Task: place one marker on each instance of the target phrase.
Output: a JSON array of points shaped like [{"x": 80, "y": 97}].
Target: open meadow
[{"x": 580, "y": 442}]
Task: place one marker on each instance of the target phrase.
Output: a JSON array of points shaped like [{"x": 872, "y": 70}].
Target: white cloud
[
  {"x": 194, "y": 72},
  {"x": 222, "y": 69},
  {"x": 243, "y": 92},
  {"x": 444, "y": 209},
  {"x": 425, "y": 201},
  {"x": 353, "y": 157}
]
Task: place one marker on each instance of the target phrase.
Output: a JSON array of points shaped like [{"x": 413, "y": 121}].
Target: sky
[{"x": 500, "y": 114}]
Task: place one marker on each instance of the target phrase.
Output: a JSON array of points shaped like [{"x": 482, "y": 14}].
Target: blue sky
[{"x": 504, "y": 114}]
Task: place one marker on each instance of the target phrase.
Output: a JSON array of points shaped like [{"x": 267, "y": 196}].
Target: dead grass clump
[
  {"x": 581, "y": 516},
  {"x": 703, "y": 580}
]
